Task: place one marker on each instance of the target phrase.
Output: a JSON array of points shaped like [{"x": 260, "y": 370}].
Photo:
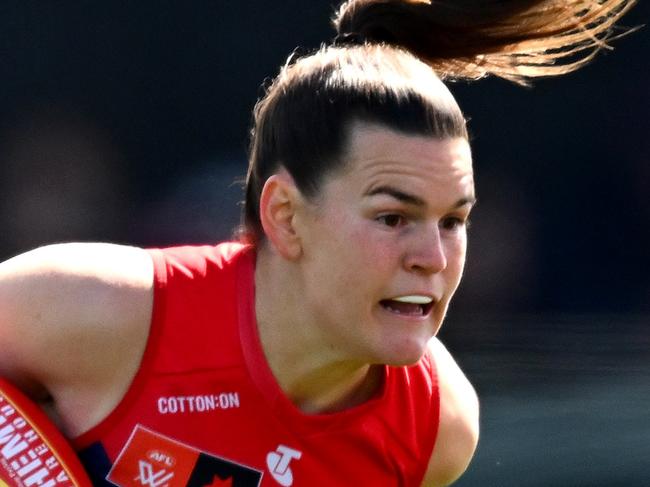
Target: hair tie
[{"x": 349, "y": 39}]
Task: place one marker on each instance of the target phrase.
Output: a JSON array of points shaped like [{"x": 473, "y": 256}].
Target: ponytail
[
  {"x": 469, "y": 39},
  {"x": 385, "y": 67}
]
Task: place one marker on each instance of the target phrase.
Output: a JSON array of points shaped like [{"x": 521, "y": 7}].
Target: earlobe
[{"x": 278, "y": 203}]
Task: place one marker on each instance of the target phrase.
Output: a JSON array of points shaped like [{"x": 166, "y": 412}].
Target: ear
[{"x": 279, "y": 201}]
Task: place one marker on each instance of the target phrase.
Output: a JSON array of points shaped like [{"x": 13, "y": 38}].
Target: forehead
[{"x": 376, "y": 155}]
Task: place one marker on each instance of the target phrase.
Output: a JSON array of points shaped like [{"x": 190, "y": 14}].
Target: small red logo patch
[{"x": 152, "y": 460}]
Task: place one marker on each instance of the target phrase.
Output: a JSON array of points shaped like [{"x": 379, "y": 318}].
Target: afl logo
[{"x": 161, "y": 457}]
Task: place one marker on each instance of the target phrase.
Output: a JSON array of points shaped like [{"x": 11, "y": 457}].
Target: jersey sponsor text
[{"x": 198, "y": 404}]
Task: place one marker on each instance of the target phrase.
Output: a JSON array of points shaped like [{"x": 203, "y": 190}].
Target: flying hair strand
[{"x": 468, "y": 39}]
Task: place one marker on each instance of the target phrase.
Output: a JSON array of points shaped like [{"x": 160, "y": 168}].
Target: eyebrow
[
  {"x": 412, "y": 199},
  {"x": 397, "y": 194}
]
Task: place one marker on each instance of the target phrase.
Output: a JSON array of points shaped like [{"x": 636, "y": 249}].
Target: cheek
[
  {"x": 460, "y": 250},
  {"x": 351, "y": 253},
  {"x": 364, "y": 264},
  {"x": 378, "y": 249},
  {"x": 456, "y": 253}
]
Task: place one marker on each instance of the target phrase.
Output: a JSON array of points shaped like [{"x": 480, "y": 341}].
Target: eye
[
  {"x": 392, "y": 220},
  {"x": 453, "y": 223}
]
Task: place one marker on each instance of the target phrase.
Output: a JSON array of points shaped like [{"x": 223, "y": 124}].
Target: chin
[{"x": 405, "y": 353}]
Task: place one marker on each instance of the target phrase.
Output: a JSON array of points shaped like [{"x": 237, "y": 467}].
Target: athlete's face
[{"x": 383, "y": 246}]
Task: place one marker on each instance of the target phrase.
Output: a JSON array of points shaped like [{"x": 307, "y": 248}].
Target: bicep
[
  {"x": 458, "y": 426},
  {"x": 67, "y": 310}
]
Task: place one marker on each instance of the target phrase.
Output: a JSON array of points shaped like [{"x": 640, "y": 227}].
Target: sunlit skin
[{"x": 392, "y": 223}]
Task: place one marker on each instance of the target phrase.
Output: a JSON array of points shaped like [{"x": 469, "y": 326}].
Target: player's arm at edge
[
  {"x": 459, "y": 421},
  {"x": 74, "y": 320}
]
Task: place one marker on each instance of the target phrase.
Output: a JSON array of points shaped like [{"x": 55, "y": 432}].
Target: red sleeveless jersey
[{"x": 205, "y": 410}]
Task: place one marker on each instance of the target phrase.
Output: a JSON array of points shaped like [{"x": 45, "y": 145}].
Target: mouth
[{"x": 412, "y": 305}]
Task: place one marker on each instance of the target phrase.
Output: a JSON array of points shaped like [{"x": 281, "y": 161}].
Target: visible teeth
[{"x": 414, "y": 299}]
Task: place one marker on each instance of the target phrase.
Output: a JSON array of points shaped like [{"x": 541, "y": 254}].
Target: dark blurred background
[{"x": 128, "y": 121}]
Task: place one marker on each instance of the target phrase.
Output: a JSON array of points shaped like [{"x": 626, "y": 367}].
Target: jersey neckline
[{"x": 260, "y": 372}]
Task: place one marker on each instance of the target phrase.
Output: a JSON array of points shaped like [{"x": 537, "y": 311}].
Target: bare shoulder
[
  {"x": 458, "y": 429},
  {"x": 74, "y": 320}
]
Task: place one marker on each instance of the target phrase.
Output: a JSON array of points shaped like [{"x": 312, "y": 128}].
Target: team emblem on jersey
[{"x": 153, "y": 460}]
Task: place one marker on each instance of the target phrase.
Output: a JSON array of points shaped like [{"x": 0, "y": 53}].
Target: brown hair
[{"x": 387, "y": 70}]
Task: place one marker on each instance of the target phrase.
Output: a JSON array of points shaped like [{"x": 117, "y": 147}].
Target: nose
[{"x": 426, "y": 253}]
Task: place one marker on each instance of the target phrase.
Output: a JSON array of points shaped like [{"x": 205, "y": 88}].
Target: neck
[{"x": 309, "y": 368}]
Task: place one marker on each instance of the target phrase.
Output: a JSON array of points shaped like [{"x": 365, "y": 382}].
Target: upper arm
[
  {"x": 74, "y": 320},
  {"x": 458, "y": 428}
]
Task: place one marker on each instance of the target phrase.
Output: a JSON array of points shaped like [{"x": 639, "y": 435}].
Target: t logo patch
[{"x": 278, "y": 464}]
